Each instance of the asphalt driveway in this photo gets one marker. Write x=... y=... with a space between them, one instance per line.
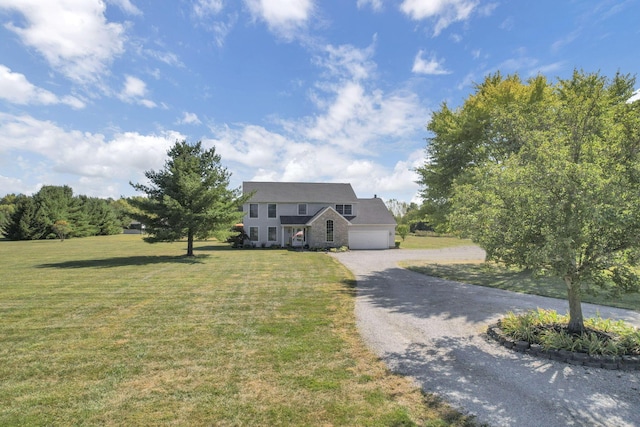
x=432 y=330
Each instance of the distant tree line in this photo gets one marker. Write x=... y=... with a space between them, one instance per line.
x=40 y=216
x=409 y=214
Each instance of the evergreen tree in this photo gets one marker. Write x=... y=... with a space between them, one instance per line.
x=188 y=198
x=53 y=203
x=80 y=218
x=20 y=224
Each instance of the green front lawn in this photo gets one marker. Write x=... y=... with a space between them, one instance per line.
x=114 y=331
x=413 y=241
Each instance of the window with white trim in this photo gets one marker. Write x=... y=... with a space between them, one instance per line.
x=253 y=210
x=253 y=234
x=273 y=234
x=272 y=210
x=329 y=230
x=302 y=209
x=344 y=209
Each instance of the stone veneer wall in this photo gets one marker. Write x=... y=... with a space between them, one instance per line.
x=318 y=231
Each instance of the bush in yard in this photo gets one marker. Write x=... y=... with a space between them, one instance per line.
x=550 y=330
x=402 y=231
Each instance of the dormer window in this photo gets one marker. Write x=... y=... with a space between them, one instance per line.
x=344 y=209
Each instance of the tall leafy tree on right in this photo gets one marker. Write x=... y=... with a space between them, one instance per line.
x=545 y=177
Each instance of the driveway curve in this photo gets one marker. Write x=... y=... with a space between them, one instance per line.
x=433 y=331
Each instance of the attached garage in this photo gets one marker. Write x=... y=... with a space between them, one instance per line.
x=368 y=239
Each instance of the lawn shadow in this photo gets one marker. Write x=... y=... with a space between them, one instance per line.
x=218 y=247
x=126 y=261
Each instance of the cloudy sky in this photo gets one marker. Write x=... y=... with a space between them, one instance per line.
x=93 y=93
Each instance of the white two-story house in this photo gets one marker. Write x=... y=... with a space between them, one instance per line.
x=315 y=215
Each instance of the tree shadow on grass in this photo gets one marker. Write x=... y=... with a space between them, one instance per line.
x=213 y=248
x=126 y=261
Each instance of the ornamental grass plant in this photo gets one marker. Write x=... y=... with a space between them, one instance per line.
x=549 y=329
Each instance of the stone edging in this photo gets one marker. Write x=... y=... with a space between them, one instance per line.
x=626 y=363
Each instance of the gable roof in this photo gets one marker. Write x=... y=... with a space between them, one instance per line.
x=373 y=211
x=321 y=213
x=299 y=192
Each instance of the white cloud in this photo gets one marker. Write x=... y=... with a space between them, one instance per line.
x=15 y=88
x=72 y=35
x=189 y=119
x=203 y=8
x=428 y=66
x=635 y=97
x=347 y=61
x=208 y=14
x=134 y=87
x=445 y=12
x=342 y=143
x=283 y=17
x=126 y=6
x=168 y=58
x=135 y=90
x=15 y=186
x=376 y=5
x=96 y=161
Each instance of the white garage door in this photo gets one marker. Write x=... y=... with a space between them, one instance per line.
x=368 y=239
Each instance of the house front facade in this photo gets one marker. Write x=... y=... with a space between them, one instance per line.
x=315 y=215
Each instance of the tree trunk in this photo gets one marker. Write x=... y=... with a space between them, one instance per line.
x=576 y=321
x=190 y=243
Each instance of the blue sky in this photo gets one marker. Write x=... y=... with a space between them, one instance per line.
x=93 y=93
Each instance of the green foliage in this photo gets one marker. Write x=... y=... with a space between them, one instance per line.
x=61 y=228
x=550 y=180
x=549 y=329
x=402 y=230
x=489 y=127
x=7 y=208
x=188 y=198
x=34 y=217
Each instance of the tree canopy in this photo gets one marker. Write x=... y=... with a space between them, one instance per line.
x=34 y=217
x=190 y=197
x=558 y=190
x=489 y=127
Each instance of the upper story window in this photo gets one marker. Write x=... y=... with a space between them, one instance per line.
x=253 y=210
x=272 y=210
x=302 y=209
x=344 y=209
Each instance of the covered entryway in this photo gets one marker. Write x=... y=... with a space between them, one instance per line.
x=368 y=239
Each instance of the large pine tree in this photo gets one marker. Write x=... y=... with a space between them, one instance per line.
x=189 y=197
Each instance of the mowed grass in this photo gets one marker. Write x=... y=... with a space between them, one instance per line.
x=517 y=280
x=113 y=331
x=413 y=241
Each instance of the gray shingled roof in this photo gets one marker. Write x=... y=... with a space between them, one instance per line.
x=373 y=211
x=299 y=192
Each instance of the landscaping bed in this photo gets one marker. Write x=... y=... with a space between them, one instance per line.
x=603 y=343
